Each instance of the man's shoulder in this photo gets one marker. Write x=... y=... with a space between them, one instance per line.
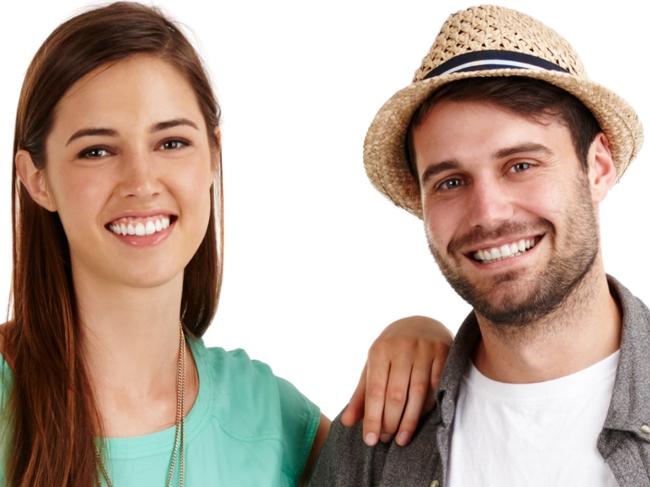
x=635 y=317
x=346 y=460
x=634 y=309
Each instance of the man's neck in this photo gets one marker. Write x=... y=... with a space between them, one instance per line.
x=585 y=329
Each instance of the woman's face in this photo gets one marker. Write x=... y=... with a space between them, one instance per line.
x=129 y=170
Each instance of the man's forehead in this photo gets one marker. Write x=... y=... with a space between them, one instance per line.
x=449 y=110
x=461 y=132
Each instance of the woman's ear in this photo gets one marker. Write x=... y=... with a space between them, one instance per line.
x=34 y=180
x=216 y=159
x=602 y=170
x=217 y=137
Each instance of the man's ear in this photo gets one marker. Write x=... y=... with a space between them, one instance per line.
x=602 y=171
x=34 y=180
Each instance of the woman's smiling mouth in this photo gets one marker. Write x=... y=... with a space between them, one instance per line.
x=142 y=231
x=140 y=226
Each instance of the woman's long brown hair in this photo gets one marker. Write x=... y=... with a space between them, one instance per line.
x=52 y=419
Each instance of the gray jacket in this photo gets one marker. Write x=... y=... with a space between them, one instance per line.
x=624 y=441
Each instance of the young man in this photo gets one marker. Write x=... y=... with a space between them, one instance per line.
x=505 y=150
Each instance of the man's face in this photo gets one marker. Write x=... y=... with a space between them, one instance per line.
x=508 y=210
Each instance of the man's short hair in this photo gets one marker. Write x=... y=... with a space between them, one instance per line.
x=528 y=97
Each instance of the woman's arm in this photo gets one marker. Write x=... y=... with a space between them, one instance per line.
x=319 y=440
x=397 y=384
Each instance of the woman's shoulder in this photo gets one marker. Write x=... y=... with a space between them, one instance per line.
x=6 y=367
x=5 y=328
x=233 y=367
x=248 y=399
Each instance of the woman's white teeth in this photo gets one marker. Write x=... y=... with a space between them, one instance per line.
x=513 y=249
x=140 y=227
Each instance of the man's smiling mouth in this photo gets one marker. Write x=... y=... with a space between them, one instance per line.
x=505 y=251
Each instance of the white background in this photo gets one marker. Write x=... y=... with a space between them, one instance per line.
x=317 y=261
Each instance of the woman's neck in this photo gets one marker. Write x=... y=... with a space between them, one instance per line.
x=130 y=340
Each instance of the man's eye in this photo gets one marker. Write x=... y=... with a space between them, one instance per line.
x=451 y=183
x=521 y=166
x=173 y=144
x=94 y=153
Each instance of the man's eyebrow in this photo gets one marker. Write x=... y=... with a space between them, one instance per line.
x=167 y=124
x=437 y=168
x=90 y=132
x=451 y=164
x=517 y=149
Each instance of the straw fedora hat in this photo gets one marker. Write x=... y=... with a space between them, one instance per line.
x=488 y=41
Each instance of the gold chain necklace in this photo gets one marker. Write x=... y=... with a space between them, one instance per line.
x=178 y=451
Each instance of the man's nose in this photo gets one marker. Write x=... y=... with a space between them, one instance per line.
x=490 y=204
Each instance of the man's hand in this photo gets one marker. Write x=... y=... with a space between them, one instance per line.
x=399 y=379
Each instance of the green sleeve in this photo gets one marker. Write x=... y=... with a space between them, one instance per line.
x=300 y=420
x=6 y=381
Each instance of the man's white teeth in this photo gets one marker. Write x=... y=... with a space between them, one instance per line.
x=513 y=249
x=140 y=227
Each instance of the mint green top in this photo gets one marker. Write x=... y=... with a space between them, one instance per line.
x=247 y=427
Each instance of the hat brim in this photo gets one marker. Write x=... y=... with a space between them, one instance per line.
x=384 y=150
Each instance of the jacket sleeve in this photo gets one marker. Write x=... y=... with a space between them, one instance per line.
x=346 y=460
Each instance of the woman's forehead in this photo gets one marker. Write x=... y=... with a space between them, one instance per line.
x=138 y=91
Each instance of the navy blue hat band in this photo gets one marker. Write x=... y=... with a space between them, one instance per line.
x=483 y=60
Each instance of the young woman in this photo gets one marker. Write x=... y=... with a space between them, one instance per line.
x=117 y=269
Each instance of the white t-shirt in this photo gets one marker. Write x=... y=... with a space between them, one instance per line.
x=527 y=435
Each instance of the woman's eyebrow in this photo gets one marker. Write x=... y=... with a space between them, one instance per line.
x=90 y=132
x=173 y=123
x=157 y=127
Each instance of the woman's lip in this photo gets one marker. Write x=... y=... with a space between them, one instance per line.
x=145 y=240
x=172 y=219
x=141 y=214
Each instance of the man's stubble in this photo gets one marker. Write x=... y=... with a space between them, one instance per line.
x=549 y=290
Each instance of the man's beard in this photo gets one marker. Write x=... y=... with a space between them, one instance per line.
x=555 y=283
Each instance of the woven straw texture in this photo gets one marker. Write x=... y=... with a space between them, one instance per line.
x=491 y=28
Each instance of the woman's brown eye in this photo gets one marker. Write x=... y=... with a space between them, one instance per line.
x=174 y=144
x=94 y=153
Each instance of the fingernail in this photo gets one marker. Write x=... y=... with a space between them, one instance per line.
x=371 y=439
x=403 y=438
x=385 y=438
